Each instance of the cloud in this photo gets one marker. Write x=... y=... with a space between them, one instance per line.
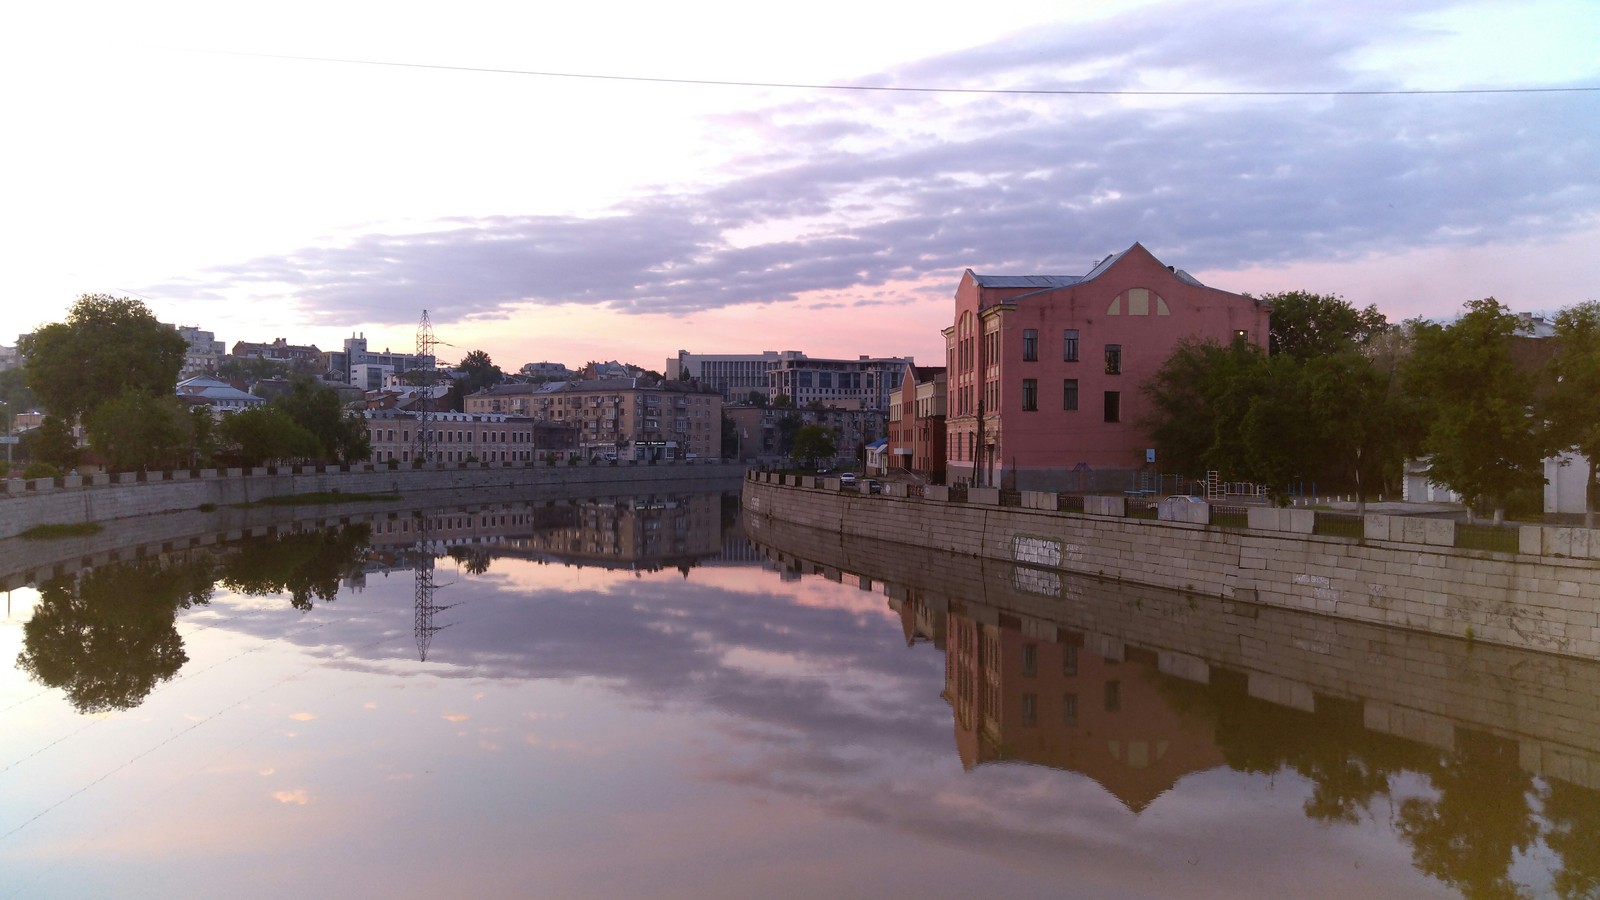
x=862 y=192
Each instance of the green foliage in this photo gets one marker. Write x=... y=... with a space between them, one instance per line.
x=813 y=443
x=730 y=438
x=40 y=470
x=14 y=395
x=1572 y=405
x=481 y=371
x=106 y=636
x=1306 y=325
x=202 y=435
x=1483 y=438
x=783 y=401
x=105 y=341
x=267 y=433
x=250 y=369
x=788 y=427
x=340 y=435
x=54 y=531
x=137 y=430
x=52 y=443
x=757 y=398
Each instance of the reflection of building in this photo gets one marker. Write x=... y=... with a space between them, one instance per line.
x=1047 y=699
x=635 y=532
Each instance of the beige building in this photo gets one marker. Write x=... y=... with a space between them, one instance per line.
x=460 y=437
x=618 y=418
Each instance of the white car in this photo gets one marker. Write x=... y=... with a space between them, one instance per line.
x=847 y=478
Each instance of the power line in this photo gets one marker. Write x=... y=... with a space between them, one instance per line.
x=865 y=88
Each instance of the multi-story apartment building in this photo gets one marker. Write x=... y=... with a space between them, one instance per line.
x=1044 y=371
x=733 y=375
x=341 y=364
x=204 y=352
x=864 y=382
x=760 y=431
x=9 y=358
x=280 y=350
x=917 y=423
x=618 y=418
x=459 y=437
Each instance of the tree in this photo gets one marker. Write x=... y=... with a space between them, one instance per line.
x=1572 y=405
x=305 y=565
x=136 y=430
x=757 y=398
x=731 y=445
x=266 y=433
x=481 y=372
x=203 y=435
x=53 y=443
x=1199 y=398
x=105 y=341
x=106 y=636
x=340 y=436
x=1306 y=325
x=813 y=443
x=1483 y=439
x=782 y=401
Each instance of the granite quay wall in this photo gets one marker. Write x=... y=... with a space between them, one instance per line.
x=102 y=498
x=1538 y=601
x=1409 y=684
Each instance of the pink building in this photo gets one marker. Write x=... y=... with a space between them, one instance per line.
x=1045 y=371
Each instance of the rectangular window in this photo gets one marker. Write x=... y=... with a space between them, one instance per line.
x=1069 y=709
x=1069 y=661
x=1030 y=394
x=1113 y=359
x=1069 y=345
x=1030 y=659
x=1030 y=344
x=1113 y=406
x=1030 y=709
x=1113 y=696
x=1069 y=393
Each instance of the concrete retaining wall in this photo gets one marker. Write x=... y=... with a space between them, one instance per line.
x=1538 y=602
x=105 y=498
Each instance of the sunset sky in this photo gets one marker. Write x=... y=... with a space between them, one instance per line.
x=307 y=170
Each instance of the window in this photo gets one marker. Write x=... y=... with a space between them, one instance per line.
x=1030 y=344
x=1069 y=345
x=1113 y=696
x=1241 y=336
x=1030 y=659
x=1030 y=709
x=1069 y=393
x=1113 y=406
x=1030 y=394
x=1069 y=709
x=1113 y=359
x=1069 y=662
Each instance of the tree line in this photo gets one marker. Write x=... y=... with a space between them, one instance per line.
x=111 y=368
x=1343 y=398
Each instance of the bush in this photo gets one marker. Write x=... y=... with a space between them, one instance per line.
x=40 y=470
x=392 y=463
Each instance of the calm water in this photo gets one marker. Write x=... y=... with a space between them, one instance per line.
x=626 y=696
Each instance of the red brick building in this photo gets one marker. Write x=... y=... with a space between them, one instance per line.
x=917 y=423
x=1045 y=371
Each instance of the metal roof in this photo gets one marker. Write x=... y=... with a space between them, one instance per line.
x=1025 y=281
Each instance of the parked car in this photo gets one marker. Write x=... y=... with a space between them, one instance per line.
x=847 y=478
x=873 y=486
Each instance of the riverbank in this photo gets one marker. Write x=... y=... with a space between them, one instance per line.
x=1399 y=571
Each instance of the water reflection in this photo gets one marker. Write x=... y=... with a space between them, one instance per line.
x=107 y=637
x=700 y=717
x=1115 y=683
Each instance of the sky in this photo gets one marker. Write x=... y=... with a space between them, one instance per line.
x=314 y=170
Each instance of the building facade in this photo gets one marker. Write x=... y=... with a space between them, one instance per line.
x=280 y=350
x=1045 y=371
x=733 y=375
x=341 y=364
x=917 y=423
x=204 y=353
x=463 y=437
x=618 y=418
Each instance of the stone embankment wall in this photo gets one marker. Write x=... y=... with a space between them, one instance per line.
x=101 y=498
x=1538 y=599
x=1417 y=686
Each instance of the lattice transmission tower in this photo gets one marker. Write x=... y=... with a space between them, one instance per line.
x=426 y=607
x=422 y=445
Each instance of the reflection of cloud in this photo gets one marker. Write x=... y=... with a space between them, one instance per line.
x=369 y=705
x=456 y=717
x=267 y=771
x=297 y=797
x=303 y=716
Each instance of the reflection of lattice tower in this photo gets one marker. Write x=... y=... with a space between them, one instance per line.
x=422 y=563
x=422 y=446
